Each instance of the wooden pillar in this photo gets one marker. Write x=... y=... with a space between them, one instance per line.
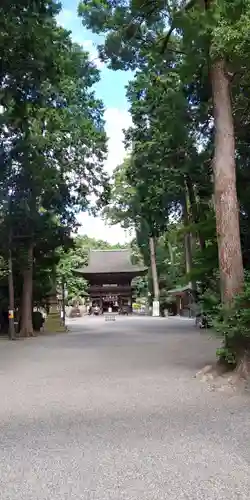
x=130 y=301
x=177 y=301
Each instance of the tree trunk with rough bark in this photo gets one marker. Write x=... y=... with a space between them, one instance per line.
x=27 y=296
x=195 y=210
x=12 y=333
x=188 y=243
x=171 y=253
x=154 y=268
x=226 y=202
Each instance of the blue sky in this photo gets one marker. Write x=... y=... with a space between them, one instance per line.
x=111 y=89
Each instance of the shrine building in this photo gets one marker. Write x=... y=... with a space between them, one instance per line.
x=110 y=274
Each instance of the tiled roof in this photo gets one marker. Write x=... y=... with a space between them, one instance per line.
x=110 y=261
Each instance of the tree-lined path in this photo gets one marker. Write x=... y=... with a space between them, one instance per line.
x=112 y=411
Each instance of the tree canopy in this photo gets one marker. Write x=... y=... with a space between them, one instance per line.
x=53 y=142
x=183 y=187
x=188 y=150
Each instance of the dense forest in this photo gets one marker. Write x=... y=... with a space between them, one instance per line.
x=184 y=185
x=53 y=145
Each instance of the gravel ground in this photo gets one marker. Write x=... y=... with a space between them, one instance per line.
x=112 y=411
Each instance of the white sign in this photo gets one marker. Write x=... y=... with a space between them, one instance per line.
x=156 y=308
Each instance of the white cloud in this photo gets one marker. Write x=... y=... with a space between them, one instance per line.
x=116 y=121
x=68 y=19
x=96 y=228
x=65 y=17
x=90 y=47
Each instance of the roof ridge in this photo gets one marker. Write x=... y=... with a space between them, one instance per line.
x=117 y=260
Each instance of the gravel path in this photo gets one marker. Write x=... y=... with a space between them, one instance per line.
x=112 y=411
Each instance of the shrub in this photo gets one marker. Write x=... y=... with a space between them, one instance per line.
x=232 y=324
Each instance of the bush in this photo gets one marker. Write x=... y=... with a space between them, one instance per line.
x=232 y=324
x=136 y=306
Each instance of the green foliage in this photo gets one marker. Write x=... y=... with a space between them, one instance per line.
x=140 y=287
x=53 y=142
x=4 y=270
x=233 y=324
x=131 y=28
x=205 y=259
x=73 y=258
x=169 y=175
x=125 y=209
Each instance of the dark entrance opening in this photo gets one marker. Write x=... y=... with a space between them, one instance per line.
x=110 y=304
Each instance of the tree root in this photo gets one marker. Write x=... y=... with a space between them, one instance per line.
x=225 y=377
x=213 y=371
x=243 y=366
x=26 y=333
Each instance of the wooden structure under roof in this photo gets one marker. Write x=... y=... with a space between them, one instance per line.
x=110 y=274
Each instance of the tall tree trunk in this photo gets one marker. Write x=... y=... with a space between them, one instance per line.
x=12 y=333
x=188 y=253
x=195 y=210
x=188 y=243
x=154 y=268
x=27 y=295
x=226 y=202
x=171 y=253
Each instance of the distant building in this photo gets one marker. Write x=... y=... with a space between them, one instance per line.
x=109 y=274
x=184 y=300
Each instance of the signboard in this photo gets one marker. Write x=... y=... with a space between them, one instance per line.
x=110 y=298
x=11 y=314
